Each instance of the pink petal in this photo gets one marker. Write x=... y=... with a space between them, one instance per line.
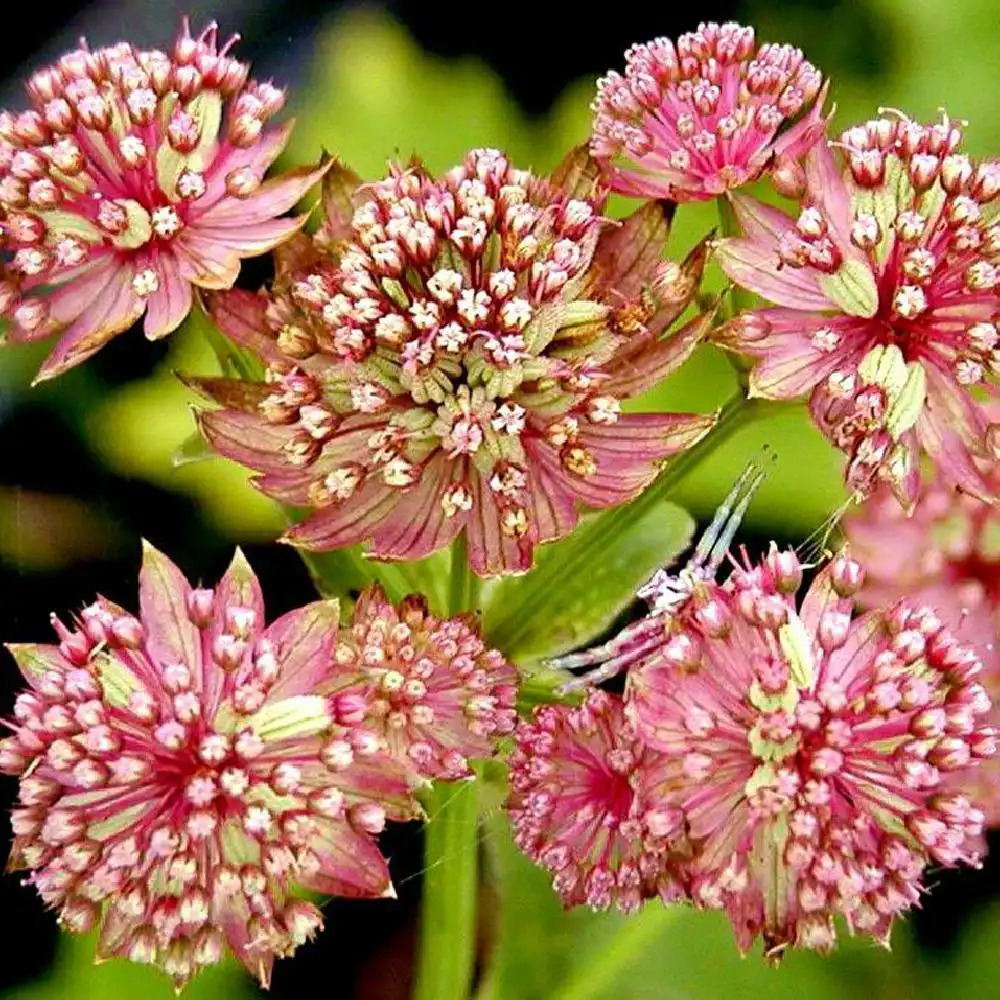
x=791 y=364
x=825 y=184
x=552 y=507
x=167 y=307
x=341 y=196
x=112 y=309
x=352 y=866
x=246 y=438
x=304 y=639
x=258 y=157
x=491 y=552
x=242 y=317
x=67 y=301
x=755 y=265
x=635 y=372
x=273 y=198
x=418 y=525
x=171 y=636
x=627 y=255
x=348 y=523
x=34 y=660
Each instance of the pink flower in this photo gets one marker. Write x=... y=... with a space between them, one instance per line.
x=431 y=689
x=135 y=176
x=695 y=121
x=885 y=292
x=180 y=775
x=458 y=363
x=576 y=775
x=808 y=751
x=944 y=555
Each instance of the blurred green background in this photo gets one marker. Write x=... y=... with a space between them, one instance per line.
x=86 y=467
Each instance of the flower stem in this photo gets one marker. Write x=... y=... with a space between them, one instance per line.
x=447 y=948
x=463 y=586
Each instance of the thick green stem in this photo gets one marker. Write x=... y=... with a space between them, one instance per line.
x=447 y=948
x=463 y=584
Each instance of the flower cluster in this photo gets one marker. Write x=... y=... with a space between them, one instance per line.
x=885 y=293
x=468 y=350
x=702 y=117
x=944 y=555
x=135 y=175
x=181 y=772
x=788 y=761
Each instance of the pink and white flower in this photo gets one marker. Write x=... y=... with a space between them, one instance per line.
x=459 y=349
x=431 y=689
x=885 y=302
x=180 y=775
x=945 y=555
x=695 y=120
x=808 y=751
x=577 y=778
x=134 y=177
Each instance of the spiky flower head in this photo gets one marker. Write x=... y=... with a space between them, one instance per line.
x=885 y=292
x=809 y=751
x=180 y=775
x=135 y=176
x=693 y=120
x=577 y=778
x=430 y=688
x=946 y=555
x=459 y=365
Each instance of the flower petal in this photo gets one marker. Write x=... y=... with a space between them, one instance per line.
x=111 y=311
x=171 y=635
x=304 y=640
x=242 y=317
x=491 y=551
x=755 y=265
x=347 y=523
x=246 y=438
x=273 y=198
x=170 y=303
x=627 y=255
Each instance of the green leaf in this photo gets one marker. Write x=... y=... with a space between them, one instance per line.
x=192 y=449
x=582 y=583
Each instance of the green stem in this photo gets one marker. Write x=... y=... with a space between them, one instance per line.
x=447 y=948
x=596 y=976
x=737 y=298
x=463 y=585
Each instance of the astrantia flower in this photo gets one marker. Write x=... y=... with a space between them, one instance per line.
x=179 y=775
x=809 y=751
x=431 y=688
x=693 y=121
x=576 y=778
x=135 y=176
x=945 y=555
x=886 y=294
x=474 y=337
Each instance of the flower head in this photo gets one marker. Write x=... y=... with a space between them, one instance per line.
x=695 y=120
x=180 y=774
x=134 y=176
x=577 y=777
x=885 y=292
x=945 y=555
x=458 y=363
x=808 y=751
x=430 y=688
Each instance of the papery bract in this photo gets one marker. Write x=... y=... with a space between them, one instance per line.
x=885 y=292
x=577 y=776
x=135 y=177
x=695 y=120
x=809 y=751
x=457 y=363
x=180 y=774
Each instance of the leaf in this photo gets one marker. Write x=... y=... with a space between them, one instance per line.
x=192 y=449
x=582 y=583
x=234 y=361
